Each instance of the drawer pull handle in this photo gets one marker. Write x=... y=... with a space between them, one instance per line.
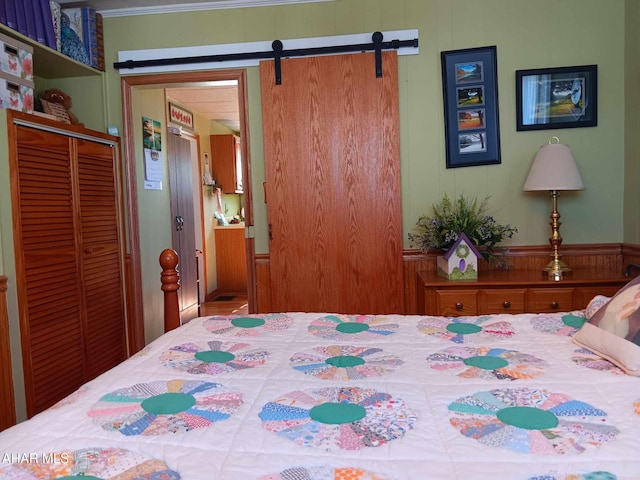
x=554 y=305
x=459 y=306
x=507 y=304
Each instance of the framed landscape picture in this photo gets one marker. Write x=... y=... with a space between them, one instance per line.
x=563 y=97
x=470 y=88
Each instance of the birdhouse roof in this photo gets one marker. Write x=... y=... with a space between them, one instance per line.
x=462 y=238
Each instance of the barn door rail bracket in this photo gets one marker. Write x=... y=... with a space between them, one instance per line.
x=278 y=52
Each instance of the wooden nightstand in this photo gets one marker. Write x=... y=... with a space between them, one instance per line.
x=513 y=291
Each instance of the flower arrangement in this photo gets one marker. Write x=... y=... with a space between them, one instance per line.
x=449 y=218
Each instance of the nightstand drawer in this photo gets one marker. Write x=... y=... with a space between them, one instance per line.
x=582 y=296
x=502 y=300
x=549 y=300
x=454 y=303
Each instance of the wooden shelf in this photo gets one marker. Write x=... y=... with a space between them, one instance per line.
x=49 y=63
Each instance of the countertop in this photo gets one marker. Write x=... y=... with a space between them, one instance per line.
x=231 y=225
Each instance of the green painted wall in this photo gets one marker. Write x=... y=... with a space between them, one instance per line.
x=8 y=268
x=528 y=34
x=153 y=208
x=632 y=123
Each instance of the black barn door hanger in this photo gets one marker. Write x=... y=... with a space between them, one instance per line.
x=377 y=45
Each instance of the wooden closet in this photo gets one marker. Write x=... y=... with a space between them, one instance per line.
x=68 y=255
x=227 y=162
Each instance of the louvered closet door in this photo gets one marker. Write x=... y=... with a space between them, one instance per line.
x=68 y=262
x=48 y=274
x=100 y=253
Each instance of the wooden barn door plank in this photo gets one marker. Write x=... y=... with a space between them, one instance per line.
x=332 y=168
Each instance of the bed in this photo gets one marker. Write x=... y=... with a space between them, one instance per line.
x=319 y=396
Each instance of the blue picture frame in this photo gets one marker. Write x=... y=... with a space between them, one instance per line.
x=470 y=90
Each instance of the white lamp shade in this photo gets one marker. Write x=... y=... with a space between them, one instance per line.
x=554 y=169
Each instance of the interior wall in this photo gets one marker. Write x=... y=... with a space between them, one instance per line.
x=632 y=124
x=153 y=209
x=544 y=33
x=210 y=207
x=8 y=268
x=527 y=34
x=88 y=100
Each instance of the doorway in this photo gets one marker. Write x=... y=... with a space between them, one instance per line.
x=130 y=85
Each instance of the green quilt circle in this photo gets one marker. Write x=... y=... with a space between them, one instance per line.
x=337 y=413
x=345 y=361
x=168 y=403
x=529 y=418
x=463 y=328
x=214 y=356
x=247 y=322
x=352 y=327
x=573 y=321
x=486 y=363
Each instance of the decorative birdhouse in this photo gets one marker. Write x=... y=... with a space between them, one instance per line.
x=461 y=261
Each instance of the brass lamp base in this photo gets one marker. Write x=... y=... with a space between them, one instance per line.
x=556 y=265
x=555 y=269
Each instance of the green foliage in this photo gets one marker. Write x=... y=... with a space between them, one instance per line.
x=448 y=219
x=456 y=274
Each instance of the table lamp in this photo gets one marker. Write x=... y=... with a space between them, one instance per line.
x=554 y=170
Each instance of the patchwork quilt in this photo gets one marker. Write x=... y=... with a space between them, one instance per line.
x=318 y=396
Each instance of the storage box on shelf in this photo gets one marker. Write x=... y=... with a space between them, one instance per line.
x=26 y=60
x=16 y=75
x=16 y=93
x=513 y=291
x=16 y=58
x=49 y=63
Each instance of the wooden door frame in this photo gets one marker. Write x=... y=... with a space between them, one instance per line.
x=135 y=325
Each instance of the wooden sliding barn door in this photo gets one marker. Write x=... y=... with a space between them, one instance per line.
x=332 y=161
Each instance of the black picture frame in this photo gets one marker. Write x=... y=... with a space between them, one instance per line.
x=470 y=88
x=561 y=97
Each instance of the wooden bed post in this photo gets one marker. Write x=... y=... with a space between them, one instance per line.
x=170 y=285
x=7 y=402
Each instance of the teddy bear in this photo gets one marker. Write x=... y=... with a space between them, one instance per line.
x=56 y=102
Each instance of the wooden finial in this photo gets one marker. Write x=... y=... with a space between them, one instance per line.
x=170 y=280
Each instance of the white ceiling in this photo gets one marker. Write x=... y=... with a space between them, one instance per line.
x=219 y=102
x=113 y=4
